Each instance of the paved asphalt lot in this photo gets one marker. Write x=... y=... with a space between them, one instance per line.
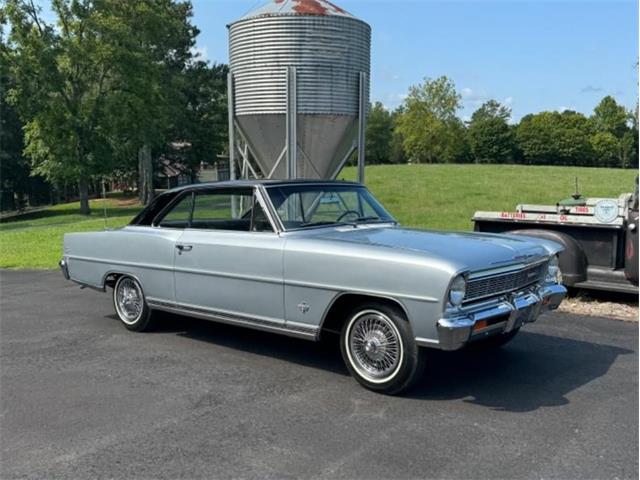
x=81 y=397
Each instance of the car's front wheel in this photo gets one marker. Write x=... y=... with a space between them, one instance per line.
x=379 y=349
x=130 y=304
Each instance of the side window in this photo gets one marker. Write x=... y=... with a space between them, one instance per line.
x=259 y=220
x=229 y=210
x=179 y=215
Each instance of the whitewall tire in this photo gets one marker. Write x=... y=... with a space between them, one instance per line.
x=379 y=349
x=130 y=304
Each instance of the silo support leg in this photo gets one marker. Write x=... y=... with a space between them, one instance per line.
x=291 y=127
x=275 y=165
x=362 y=125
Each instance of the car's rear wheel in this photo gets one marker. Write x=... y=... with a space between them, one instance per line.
x=130 y=304
x=379 y=349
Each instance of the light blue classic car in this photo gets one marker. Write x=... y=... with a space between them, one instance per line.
x=308 y=258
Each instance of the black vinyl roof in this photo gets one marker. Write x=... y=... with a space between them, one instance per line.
x=253 y=183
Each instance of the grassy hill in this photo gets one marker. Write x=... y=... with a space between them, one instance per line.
x=446 y=196
x=425 y=196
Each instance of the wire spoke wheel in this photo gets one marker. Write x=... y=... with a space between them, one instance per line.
x=374 y=346
x=129 y=300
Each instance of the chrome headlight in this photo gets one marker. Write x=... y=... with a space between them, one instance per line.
x=457 y=290
x=554 y=275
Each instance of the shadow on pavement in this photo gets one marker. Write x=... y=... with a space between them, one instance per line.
x=533 y=371
x=322 y=355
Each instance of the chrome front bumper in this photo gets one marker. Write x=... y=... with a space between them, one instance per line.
x=497 y=316
x=64 y=268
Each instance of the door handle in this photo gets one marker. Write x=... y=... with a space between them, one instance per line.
x=184 y=248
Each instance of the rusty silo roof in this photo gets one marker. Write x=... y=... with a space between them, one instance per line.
x=297 y=7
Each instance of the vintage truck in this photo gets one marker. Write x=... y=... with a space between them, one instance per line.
x=600 y=236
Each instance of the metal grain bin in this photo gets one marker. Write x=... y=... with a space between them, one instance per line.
x=298 y=87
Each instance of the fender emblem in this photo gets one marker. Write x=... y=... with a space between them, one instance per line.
x=303 y=307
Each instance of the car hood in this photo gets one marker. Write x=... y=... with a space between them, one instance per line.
x=477 y=251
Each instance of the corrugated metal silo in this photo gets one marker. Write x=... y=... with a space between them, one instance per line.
x=299 y=76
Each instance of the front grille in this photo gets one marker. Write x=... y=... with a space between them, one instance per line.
x=507 y=282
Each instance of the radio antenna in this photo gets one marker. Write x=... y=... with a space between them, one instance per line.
x=576 y=195
x=104 y=203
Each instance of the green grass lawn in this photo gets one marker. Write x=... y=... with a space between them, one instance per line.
x=34 y=240
x=426 y=196
x=446 y=196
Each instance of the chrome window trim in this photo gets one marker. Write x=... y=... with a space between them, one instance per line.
x=392 y=220
x=256 y=192
x=265 y=202
x=167 y=208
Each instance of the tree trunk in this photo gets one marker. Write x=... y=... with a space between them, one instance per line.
x=83 y=190
x=146 y=192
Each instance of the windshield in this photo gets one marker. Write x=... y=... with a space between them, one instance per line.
x=306 y=206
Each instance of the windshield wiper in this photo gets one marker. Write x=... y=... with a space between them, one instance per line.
x=354 y=223
x=325 y=222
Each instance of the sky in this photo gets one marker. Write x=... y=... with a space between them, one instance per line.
x=529 y=55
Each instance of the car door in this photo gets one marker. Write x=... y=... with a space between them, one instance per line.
x=229 y=259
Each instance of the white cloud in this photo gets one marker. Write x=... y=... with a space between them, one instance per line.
x=471 y=98
x=466 y=92
x=563 y=108
x=508 y=101
x=397 y=97
x=393 y=100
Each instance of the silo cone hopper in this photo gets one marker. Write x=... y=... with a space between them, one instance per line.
x=298 y=90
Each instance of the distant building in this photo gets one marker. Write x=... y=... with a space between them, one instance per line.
x=171 y=174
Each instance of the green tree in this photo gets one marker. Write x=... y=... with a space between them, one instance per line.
x=458 y=149
x=14 y=170
x=154 y=40
x=397 y=153
x=60 y=83
x=202 y=120
x=610 y=117
x=95 y=84
x=490 y=137
x=554 y=138
x=611 y=122
x=428 y=124
x=379 y=134
x=605 y=148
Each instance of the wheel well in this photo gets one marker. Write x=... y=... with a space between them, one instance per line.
x=341 y=306
x=111 y=278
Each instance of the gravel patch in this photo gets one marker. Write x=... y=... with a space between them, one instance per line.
x=584 y=304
